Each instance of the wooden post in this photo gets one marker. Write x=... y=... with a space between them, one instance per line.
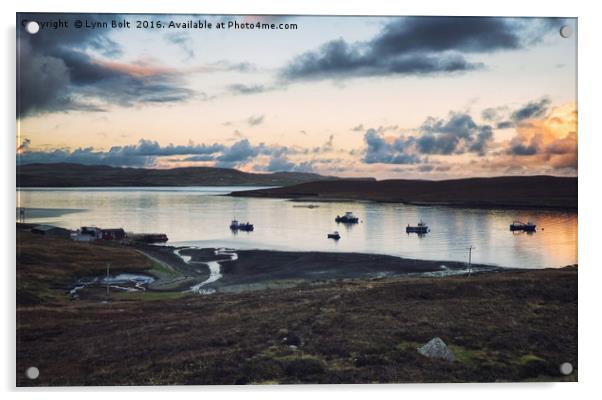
x=469 y=260
x=108 y=271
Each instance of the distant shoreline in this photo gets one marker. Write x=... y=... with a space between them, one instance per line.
x=508 y=192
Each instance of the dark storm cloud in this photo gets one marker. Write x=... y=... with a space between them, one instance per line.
x=415 y=46
x=56 y=73
x=458 y=134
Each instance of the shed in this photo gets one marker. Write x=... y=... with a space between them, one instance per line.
x=113 y=234
x=50 y=230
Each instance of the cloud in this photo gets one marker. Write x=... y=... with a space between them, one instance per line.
x=530 y=110
x=550 y=141
x=239 y=88
x=24 y=146
x=63 y=72
x=396 y=151
x=415 y=46
x=204 y=157
x=182 y=40
x=281 y=163
x=243 y=89
x=86 y=156
x=144 y=153
x=458 y=134
x=239 y=152
x=255 y=120
x=504 y=118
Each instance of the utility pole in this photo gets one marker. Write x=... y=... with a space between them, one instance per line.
x=469 y=260
x=108 y=269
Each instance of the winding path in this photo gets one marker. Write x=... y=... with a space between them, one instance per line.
x=214 y=267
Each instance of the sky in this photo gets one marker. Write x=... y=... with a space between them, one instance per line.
x=385 y=97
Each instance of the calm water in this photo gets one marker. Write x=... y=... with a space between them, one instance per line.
x=197 y=216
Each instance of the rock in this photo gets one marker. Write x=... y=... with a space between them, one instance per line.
x=436 y=348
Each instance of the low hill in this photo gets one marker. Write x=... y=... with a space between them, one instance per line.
x=78 y=175
x=506 y=191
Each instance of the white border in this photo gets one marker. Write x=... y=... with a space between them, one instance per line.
x=590 y=356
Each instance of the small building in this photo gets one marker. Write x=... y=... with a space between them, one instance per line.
x=113 y=234
x=50 y=230
x=91 y=231
x=87 y=234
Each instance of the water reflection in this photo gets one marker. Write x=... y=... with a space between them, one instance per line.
x=201 y=216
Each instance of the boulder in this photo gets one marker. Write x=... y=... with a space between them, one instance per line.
x=436 y=348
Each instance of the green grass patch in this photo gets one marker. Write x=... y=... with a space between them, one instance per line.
x=529 y=358
x=162 y=271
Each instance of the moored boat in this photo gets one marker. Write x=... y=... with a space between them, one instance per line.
x=421 y=228
x=521 y=226
x=334 y=235
x=348 y=218
x=237 y=226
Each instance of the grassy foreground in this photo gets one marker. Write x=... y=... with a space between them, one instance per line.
x=509 y=326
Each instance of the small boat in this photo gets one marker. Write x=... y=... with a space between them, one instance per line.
x=521 y=226
x=334 y=235
x=421 y=228
x=236 y=226
x=348 y=218
x=246 y=227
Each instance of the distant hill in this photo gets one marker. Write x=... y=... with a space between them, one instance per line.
x=74 y=175
x=507 y=191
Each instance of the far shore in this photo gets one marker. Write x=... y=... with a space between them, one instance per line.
x=514 y=192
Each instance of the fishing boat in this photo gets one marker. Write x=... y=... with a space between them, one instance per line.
x=237 y=226
x=334 y=235
x=521 y=226
x=248 y=227
x=421 y=228
x=348 y=218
